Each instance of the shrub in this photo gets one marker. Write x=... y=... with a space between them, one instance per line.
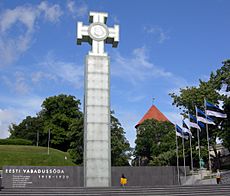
x=15 y=142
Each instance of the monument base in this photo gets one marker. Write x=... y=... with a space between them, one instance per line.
x=22 y=177
x=97 y=150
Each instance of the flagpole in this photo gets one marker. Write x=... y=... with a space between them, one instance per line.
x=198 y=138
x=209 y=159
x=184 y=157
x=190 y=142
x=48 y=142
x=191 y=148
x=177 y=159
x=37 y=137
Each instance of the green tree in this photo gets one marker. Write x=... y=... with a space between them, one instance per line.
x=120 y=147
x=119 y=144
x=221 y=82
x=28 y=129
x=62 y=116
x=76 y=147
x=58 y=113
x=154 y=138
x=189 y=97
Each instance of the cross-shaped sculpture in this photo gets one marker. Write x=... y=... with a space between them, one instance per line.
x=97 y=133
x=97 y=33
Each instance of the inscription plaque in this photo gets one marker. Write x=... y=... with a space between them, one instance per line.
x=42 y=176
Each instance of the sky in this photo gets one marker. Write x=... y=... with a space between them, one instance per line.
x=164 y=45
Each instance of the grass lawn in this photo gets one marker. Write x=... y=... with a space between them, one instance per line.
x=32 y=156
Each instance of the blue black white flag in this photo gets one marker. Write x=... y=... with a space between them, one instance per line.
x=186 y=128
x=181 y=133
x=193 y=122
x=213 y=110
x=201 y=125
x=201 y=116
x=228 y=88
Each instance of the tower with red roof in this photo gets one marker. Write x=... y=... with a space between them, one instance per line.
x=153 y=113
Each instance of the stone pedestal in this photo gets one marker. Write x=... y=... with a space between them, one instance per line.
x=97 y=150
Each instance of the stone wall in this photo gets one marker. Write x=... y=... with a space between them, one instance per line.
x=145 y=176
x=225 y=177
x=72 y=176
x=42 y=176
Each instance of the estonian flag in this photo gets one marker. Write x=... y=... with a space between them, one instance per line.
x=212 y=110
x=201 y=125
x=186 y=128
x=181 y=133
x=193 y=122
x=201 y=116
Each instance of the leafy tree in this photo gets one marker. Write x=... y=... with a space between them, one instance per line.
x=165 y=158
x=190 y=97
x=58 y=113
x=28 y=129
x=221 y=82
x=62 y=116
x=153 y=139
x=119 y=144
x=76 y=147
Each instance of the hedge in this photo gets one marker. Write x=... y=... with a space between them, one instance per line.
x=15 y=142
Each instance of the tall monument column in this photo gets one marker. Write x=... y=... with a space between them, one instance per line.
x=97 y=147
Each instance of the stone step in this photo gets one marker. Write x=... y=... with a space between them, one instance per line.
x=121 y=194
x=186 y=187
x=167 y=190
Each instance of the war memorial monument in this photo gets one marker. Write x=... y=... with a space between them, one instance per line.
x=97 y=150
x=97 y=171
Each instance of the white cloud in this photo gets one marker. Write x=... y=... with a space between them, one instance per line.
x=13 y=45
x=12 y=48
x=179 y=83
x=128 y=120
x=71 y=73
x=38 y=76
x=24 y=15
x=136 y=98
x=71 y=6
x=7 y=116
x=32 y=105
x=52 y=13
x=18 y=110
x=17 y=83
x=23 y=82
x=138 y=68
x=65 y=71
x=174 y=117
x=77 y=10
x=160 y=34
x=20 y=84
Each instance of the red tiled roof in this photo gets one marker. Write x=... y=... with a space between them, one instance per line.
x=153 y=113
